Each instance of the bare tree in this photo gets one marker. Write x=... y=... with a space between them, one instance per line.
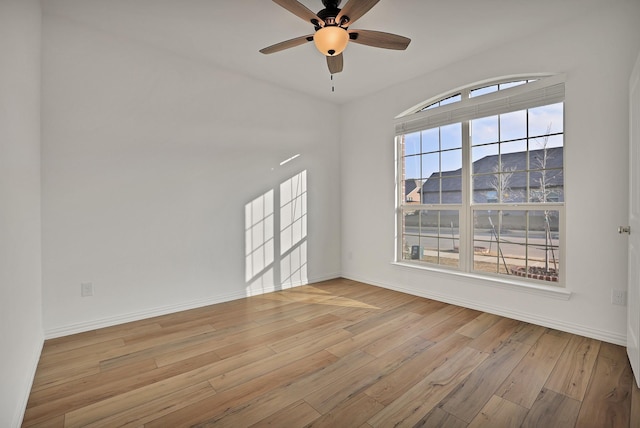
x=501 y=182
x=544 y=191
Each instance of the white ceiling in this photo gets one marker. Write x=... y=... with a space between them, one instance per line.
x=229 y=33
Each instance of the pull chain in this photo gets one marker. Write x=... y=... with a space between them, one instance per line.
x=333 y=89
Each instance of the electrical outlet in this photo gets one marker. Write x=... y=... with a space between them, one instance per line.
x=86 y=289
x=619 y=297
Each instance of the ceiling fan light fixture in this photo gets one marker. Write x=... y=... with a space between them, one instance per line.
x=331 y=40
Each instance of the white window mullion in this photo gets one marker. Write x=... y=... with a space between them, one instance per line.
x=466 y=217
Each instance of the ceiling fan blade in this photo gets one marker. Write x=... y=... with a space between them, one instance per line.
x=379 y=39
x=335 y=63
x=299 y=10
x=287 y=44
x=354 y=9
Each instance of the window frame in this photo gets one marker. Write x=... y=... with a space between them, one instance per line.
x=538 y=91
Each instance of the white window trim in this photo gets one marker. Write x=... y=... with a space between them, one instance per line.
x=547 y=90
x=534 y=94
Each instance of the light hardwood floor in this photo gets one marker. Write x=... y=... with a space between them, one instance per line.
x=336 y=354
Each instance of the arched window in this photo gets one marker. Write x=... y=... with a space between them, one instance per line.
x=489 y=164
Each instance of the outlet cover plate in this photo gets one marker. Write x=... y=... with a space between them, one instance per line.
x=86 y=289
x=619 y=297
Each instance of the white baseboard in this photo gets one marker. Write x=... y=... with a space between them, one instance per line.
x=587 y=331
x=170 y=309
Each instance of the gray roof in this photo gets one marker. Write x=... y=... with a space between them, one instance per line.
x=484 y=171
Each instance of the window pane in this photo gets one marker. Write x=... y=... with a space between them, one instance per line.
x=430 y=164
x=514 y=187
x=511 y=84
x=549 y=142
x=452 y=190
x=412 y=191
x=451 y=99
x=546 y=186
x=483 y=189
x=430 y=140
x=482 y=91
x=429 y=223
x=513 y=125
x=431 y=191
x=546 y=120
x=452 y=160
x=412 y=167
x=412 y=144
x=410 y=232
x=484 y=130
x=519 y=146
x=448 y=253
x=439 y=238
x=485 y=158
x=451 y=136
x=546 y=158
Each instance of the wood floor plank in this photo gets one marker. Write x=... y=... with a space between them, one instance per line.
x=444 y=329
x=79 y=355
x=440 y=419
x=552 y=410
x=528 y=333
x=276 y=335
x=235 y=402
x=357 y=381
x=416 y=402
x=572 y=373
x=144 y=410
x=389 y=388
x=527 y=379
x=253 y=411
x=499 y=412
x=337 y=353
x=470 y=397
x=351 y=413
x=143 y=349
x=331 y=331
x=68 y=385
x=104 y=388
x=495 y=335
x=63 y=376
x=607 y=402
x=378 y=318
x=478 y=325
x=299 y=414
x=289 y=392
x=373 y=333
x=410 y=330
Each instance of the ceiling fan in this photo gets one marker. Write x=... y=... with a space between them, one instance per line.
x=332 y=31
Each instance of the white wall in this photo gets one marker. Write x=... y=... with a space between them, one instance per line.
x=149 y=159
x=20 y=272
x=596 y=52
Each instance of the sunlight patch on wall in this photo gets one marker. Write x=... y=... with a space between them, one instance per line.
x=275 y=261
x=293 y=211
x=259 y=241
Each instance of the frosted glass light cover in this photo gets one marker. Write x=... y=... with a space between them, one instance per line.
x=331 y=40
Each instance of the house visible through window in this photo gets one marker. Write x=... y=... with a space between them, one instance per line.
x=481 y=174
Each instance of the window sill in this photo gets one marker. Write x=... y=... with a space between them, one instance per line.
x=510 y=284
